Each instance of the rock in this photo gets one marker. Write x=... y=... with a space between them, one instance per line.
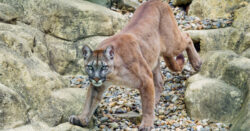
x=12 y=105
x=57 y=110
x=242 y=120
x=241 y=18
x=199 y=128
x=246 y=43
x=130 y=5
x=106 y=3
x=22 y=74
x=67 y=127
x=217 y=39
x=41 y=88
x=237 y=73
x=212 y=99
x=24 y=40
x=132 y=116
x=216 y=60
x=72 y=20
x=62 y=55
x=174 y=99
x=213 y=9
x=181 y=2
x=230 y=70
x=104 y=119
x=8 y=13
x=39 y=126
x=114 y=125
x=246 y=53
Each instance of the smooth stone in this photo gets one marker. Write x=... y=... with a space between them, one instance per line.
x=104 y=119
x=114 y=125
x=174 y=99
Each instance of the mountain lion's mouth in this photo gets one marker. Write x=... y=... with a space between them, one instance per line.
x=97 y=84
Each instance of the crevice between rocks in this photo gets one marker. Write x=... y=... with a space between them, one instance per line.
x=197 y=46
x=12 y=21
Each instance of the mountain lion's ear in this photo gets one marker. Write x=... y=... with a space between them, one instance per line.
x=86 y=51
x=109 y=52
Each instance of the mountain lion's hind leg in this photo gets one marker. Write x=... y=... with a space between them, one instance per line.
x=193 y=56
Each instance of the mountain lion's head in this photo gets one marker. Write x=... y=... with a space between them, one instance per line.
x=98 y=64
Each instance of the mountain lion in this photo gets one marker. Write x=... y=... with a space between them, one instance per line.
x=131 y=58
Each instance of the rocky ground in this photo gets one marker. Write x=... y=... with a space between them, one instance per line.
x=121 y=108
x=184 y=21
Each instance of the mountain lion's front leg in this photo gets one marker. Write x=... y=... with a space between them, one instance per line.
x=147 y=93
x=94 y=96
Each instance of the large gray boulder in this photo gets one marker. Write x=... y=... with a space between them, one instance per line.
x=31 y=82
x=69 y=20
x=214 y=62
x=237 y=73
x=216 y=39
x=246 y=53
x=62 y=56
x=241 y=22
x=214 y=9
x=242 y=121
x=61 y=105
x=8 y=13
x=12 y=105
x=24 y=40
x=220 y=92
x=241 y=19
x=40 y=126
x=43 y=90
x=212 y=99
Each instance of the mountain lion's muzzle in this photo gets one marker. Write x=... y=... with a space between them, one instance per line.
x=97 y=82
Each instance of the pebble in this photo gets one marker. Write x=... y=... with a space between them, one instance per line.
x=114 y=125
x=104 y=119
x=174 y=99
x=200 y=128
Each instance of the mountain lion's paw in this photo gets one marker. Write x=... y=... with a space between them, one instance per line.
x=76 y=121
x=144 y=128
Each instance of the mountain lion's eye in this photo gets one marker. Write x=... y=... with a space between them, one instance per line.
x=89 y=67
x=104 y=67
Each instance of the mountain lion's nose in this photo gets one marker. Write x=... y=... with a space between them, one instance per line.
x=96 y=79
